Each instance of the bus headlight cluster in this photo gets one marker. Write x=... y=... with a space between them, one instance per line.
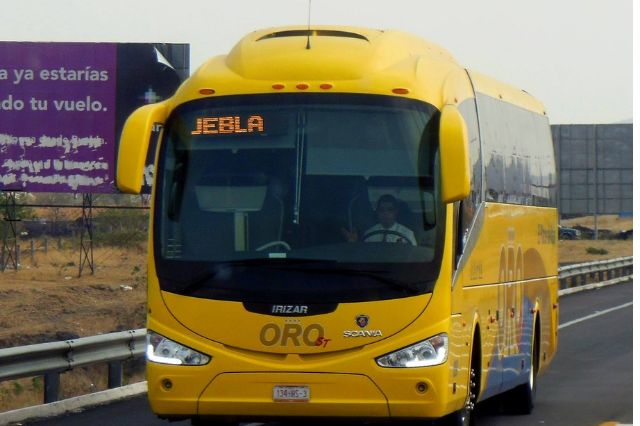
x=166 y=351
x=432 y=351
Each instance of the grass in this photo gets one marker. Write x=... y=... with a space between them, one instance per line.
x=596 y=250
x=579 y=251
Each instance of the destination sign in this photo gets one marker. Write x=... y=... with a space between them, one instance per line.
x=228 y=125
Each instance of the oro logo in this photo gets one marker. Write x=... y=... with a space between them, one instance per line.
x=293 y=333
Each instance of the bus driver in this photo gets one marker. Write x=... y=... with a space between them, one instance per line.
x=387 y=229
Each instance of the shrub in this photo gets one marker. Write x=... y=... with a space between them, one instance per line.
x=121 y=227
x=595 y=250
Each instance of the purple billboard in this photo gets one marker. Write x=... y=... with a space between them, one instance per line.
x=62 y=106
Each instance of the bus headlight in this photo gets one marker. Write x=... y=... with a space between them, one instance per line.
x=432 y=351
x=166 y=351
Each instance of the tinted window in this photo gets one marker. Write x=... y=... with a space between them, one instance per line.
x=518 y=157
x=276 y=187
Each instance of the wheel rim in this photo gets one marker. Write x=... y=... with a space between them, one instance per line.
x=470 y=402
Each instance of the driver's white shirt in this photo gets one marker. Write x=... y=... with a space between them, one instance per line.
x=390 y=238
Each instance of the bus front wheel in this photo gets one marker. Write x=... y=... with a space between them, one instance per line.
x=465 y=416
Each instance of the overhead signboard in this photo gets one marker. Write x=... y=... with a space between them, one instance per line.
x=63 y=105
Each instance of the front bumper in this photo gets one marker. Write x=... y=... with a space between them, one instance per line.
x=392 y=393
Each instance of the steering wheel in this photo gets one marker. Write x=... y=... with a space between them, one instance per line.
x=274 y=244
x=386 y=232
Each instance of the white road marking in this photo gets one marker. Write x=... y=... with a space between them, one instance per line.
x=594 y=315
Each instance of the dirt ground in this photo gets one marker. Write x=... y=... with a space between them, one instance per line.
x=47 y=300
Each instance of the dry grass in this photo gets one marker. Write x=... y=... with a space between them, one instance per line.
x=576 y=251
x=613 y=223
x=46 y=297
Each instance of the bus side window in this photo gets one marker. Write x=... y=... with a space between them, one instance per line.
x=469 y=206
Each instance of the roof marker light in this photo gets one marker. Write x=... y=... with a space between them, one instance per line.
x=400 y=91
x=277 y=86
x=326 y=86
x=302 y=86
x=207 y=91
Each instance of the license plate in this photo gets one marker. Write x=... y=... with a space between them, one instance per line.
x=291 y=393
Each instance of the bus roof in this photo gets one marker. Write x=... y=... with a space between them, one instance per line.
x=342 y=59
x=338 y=53
x=339 y=59
x=496 y=89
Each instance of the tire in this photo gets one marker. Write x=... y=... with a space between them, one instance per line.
x=466 y=415
x=567 y=236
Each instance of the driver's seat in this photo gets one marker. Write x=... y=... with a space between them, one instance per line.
x=266 y=225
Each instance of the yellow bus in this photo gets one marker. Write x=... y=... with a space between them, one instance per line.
x=346 y=224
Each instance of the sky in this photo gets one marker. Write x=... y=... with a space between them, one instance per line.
x=574 y=55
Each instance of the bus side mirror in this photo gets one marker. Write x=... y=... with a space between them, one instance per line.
x=134 y=144
x=454 y=156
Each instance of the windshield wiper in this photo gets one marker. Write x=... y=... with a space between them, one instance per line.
x=311 y=266
x=190 y=284
x=277 y=261
x=414 y=287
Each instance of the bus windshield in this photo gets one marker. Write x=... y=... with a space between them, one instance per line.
x=299 y=198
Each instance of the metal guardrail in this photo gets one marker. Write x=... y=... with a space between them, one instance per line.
x=594 y=272
x=52 y=359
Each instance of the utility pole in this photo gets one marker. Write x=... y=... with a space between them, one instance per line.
x=595 y=181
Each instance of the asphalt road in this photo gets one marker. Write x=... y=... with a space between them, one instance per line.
x=589 y=383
